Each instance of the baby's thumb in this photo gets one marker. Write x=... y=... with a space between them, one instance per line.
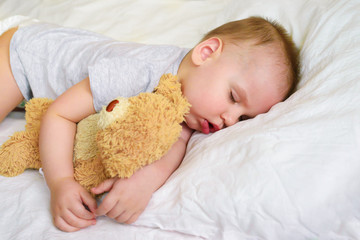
x=105 y=186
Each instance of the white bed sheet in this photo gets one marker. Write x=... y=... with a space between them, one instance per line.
x=292 y=173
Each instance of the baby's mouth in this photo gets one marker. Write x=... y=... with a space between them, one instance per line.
x=208 y=127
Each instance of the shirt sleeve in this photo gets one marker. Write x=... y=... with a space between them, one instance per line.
x=125 y=77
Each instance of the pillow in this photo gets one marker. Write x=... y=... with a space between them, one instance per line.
x=291 y=173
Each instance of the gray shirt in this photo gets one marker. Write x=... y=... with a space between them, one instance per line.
x=47 y=59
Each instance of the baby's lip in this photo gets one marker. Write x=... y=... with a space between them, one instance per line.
x=208 y=127
x=205 y=128
x=213 y=127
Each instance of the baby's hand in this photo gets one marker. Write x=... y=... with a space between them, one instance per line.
x=127 y=198
x=68 y=201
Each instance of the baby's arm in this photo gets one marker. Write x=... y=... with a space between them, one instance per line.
x=128 y=198
x=56 y=151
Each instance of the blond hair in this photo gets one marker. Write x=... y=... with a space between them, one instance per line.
x=263 y=31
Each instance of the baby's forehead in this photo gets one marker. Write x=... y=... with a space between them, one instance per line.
x=262 y=53
x=273 y=60
x=265 y=58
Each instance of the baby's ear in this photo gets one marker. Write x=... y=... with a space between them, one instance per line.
x=206 y=49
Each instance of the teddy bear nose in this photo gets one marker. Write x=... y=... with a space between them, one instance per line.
x=111 y=105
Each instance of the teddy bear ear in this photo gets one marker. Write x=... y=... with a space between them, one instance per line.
x=170 y=87
x=167 y=85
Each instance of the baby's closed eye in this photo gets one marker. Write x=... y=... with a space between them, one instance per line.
x=244 y=117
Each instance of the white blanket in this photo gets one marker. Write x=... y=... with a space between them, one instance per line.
x=292 y=173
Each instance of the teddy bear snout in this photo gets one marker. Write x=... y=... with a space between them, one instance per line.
x=111 y=105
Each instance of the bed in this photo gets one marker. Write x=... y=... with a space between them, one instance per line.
x=292 y=173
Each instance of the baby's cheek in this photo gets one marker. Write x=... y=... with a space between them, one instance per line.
x=190 y=122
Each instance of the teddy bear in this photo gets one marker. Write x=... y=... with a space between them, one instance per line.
x=123 y=137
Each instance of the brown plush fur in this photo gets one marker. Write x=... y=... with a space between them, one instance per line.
x=138 y=131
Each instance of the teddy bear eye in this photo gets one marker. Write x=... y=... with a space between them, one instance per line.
x=111 y=105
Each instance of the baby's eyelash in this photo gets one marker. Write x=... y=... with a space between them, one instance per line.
x=244 y=117
x=232 y=97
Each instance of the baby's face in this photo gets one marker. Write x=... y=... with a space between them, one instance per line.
x=233 y=87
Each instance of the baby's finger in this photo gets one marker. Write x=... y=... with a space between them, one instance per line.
x=80 y=211
x=117 y=211
x=105 y=186
x=61 y=224
x=107 y=205
x=133 y=218
x=123 y=217
x=77 y=222
x=89 y=201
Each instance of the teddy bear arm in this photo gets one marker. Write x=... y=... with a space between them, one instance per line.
x=34 y=110
x=89 y=172
x=20 y=152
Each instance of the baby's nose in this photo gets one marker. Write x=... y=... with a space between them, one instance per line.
x=230 y=119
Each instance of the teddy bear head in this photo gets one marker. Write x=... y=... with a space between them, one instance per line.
x=139 y=130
